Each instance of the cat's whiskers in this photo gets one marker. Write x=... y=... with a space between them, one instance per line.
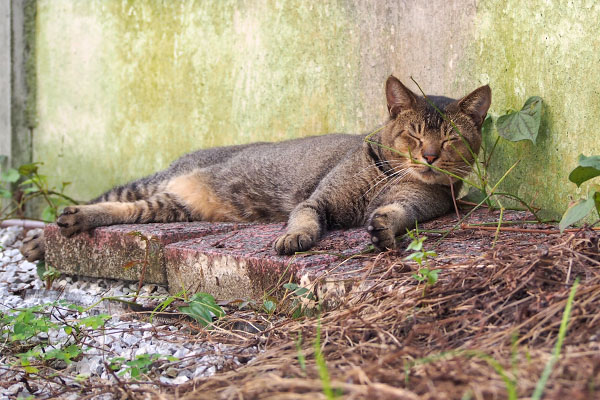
x=395 y=171
x=374 y=165
x=386 y=176
x=391 y=179
x=398 y=178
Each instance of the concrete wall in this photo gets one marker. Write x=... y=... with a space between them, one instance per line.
x=124 y=87
x=5 y=78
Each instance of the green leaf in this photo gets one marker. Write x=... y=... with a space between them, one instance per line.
x=94 y=321
x=418 y=257
x=487 y=126
x=7 y=194
x=269 y=306
x=475 y=195
x=31 y=370
x=49 y=214
x=28 y=169
x=298 y=290
x=202 y=307
x=579 y=211
x=589 y=167
x=523 y=124
x=10 y=175
x=416 y=244
x=41 y=269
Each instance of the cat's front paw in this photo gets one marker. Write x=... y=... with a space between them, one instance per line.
x=34 y=246
x=382 y=234
x=73 y=220
x=292 y=242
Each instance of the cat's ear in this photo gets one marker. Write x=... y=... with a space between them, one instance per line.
x=477 y=103
x=398 y=96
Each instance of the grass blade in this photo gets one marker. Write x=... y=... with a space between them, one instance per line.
x=562 y=333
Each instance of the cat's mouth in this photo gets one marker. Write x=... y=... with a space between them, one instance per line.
x=426 y=170
x=429 y=175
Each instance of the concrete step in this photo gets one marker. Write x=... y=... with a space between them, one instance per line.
x=108 y=252
x=243 y=265
x=230 y=261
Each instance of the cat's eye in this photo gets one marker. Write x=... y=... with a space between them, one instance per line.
x=414 y=137
x=449 y=141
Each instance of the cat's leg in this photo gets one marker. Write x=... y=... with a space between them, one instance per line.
x=136 y=190
x=303 y=230
x=161 y=207
x=400 y=208
x=188 y=197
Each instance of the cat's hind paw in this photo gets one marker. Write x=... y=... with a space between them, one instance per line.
x=293 y=242
x=34 y=246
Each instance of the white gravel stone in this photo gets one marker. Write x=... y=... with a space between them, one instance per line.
x=121 y=335
x=180 y=379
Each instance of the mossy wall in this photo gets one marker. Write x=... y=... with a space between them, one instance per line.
x=549 y=49
x=124 y=87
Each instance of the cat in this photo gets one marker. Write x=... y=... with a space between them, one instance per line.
x=384 y=181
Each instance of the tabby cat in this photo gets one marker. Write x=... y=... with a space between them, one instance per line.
x=315 y=183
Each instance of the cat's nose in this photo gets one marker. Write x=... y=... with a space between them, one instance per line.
x=430 y=157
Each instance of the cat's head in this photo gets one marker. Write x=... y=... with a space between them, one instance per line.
x=420 y=136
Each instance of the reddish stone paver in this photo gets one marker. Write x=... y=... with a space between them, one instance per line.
x=103 y=252
x=237 y=261
x=243 y=265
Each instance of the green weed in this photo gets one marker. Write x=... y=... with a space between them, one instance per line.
x=139 y=366
x=24 y=184
x=47 y=273
x=421 y=257
x=203 y=308
x=562 y=333
x=588 y=168
x=329 y=392
x=303 y=301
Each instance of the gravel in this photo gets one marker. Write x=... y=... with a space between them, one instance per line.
x=123 y=335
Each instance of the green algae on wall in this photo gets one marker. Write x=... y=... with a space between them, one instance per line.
x=125 y=87
x=549 y=49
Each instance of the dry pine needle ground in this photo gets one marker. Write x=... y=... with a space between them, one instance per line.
x=493 y=317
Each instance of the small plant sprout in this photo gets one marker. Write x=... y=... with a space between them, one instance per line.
x=47 y=273
x=138 y=366
x=421 y=257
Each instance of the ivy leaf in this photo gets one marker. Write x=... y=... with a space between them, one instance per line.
x=580 y=210
x=589 y=167
x=475 y=195
x=523 y=124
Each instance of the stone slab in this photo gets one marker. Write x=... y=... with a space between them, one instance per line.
x=104 y=252
x=243 y=265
